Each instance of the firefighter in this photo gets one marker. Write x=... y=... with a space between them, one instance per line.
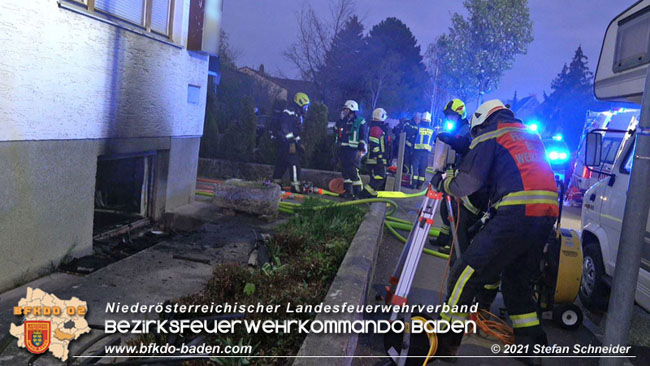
x=459 y=138
x=510 y=160
x=377 y=153
x=287 y=126
x=422 y=143
x=397 y=130
x=351 y=140
x=411 y=129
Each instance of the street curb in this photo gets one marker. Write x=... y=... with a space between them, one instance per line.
x=350 y=286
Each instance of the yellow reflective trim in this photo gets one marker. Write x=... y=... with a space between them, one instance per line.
x=373 y=139
x=495 y=134
x=526 y=202
x=492 y=286
x=469 y=206
x=444 y=229
x=381 y=145
x=371 y=161
x=523 y=316
x=531 y=193
x=370 y=190
x=375 y=150
x=524 y=320
x=454 y=316
x=460 y=284
x=378 y=177
x=446 y=184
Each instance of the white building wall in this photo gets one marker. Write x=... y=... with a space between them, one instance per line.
x=73 y=87
x=64 y=75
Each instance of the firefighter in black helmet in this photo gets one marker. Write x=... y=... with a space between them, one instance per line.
x=287 y=129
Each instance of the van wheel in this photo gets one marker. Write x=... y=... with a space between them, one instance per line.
x=594 y=292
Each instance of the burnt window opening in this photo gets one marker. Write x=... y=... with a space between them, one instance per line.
x=123 y=191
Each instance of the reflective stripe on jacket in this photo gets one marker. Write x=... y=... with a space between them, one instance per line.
x=352 y=133
x=376 y=144
x=511 y=161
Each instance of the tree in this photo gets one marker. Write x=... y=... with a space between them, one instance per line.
x=344 y=62
x=571 y=96
x=314 y=133
x=479 y=48
x=242 y=133
x=314 y=40
x=395 y=74
x=438 y=96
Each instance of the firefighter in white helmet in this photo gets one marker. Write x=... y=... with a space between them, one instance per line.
x=506 y=157
x=377 y=153
x=351 y=136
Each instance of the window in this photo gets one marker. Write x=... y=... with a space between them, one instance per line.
x=609 y=149
x=152 y=15
x=627 y=168
x=632 y=41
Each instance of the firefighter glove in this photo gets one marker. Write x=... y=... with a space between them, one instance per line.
x=436 y=181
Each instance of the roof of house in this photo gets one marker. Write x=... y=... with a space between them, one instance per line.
x=292 y=86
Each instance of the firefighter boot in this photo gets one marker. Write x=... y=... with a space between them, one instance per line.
x=356 y=191
x=531 y=341
x=348 y=191
x=448 y=344
x=441 y=241
x=445 y=249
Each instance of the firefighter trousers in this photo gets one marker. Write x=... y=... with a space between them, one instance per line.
x=510 y=247
x=419 y=162
x=377 y=180
x=288 y=161
x=350 y=170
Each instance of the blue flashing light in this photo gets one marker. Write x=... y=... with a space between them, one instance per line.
x=533 y=126
x=449 y=126
x=557 y=156
x=558 y=137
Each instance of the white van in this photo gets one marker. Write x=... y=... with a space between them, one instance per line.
x=620 y=76
x=602 y=214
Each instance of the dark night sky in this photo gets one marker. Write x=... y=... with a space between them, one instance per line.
x=262 y=29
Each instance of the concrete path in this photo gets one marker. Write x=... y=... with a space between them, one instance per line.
x=148 y=277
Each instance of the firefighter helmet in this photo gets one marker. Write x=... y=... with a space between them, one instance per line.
x=484 y=111
x=426 y=117
x=456 y=106
x=301 y=99
x=351 y=105
x=379 y=114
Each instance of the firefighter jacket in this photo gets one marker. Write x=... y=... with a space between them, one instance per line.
x=511 y=161
x=377 y=152
x=352 y=133
x=411 y=129
x=388 y=156
x=422 y=136
x=287 y=126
